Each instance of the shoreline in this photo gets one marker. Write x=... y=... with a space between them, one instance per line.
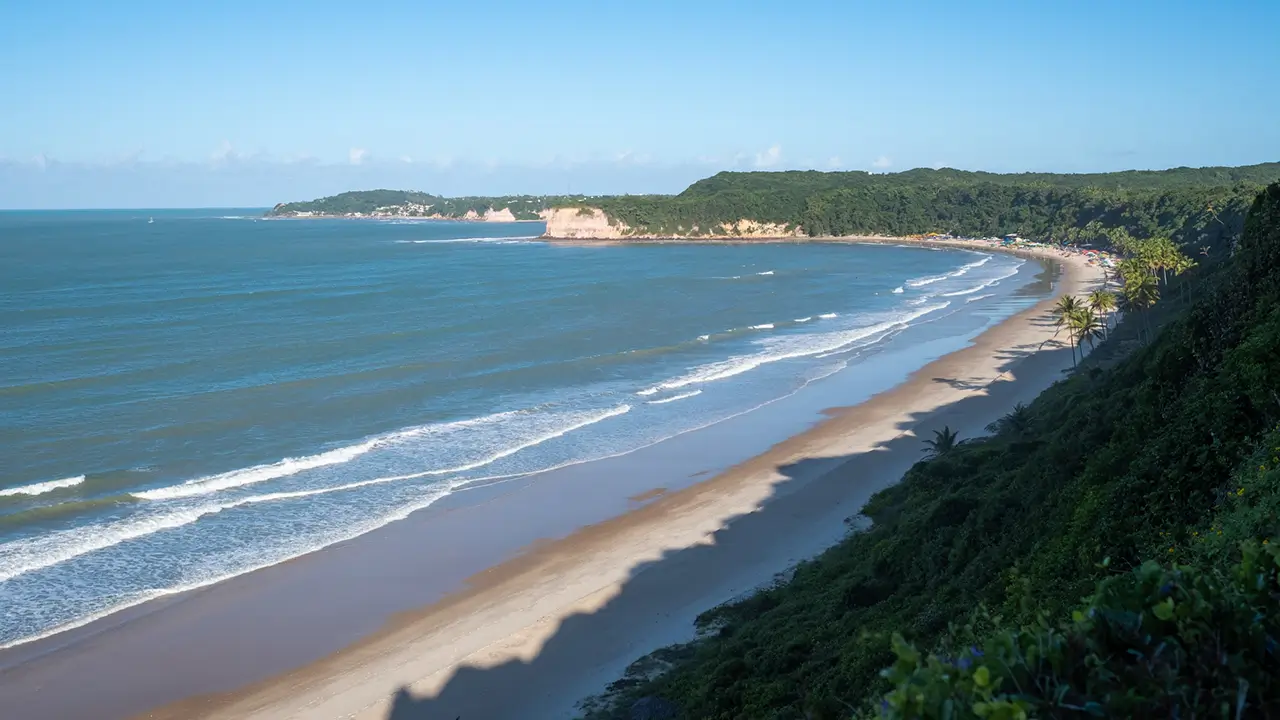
x=412 y=218
x=558 y=622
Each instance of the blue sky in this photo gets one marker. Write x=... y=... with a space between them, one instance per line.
x=154 y=104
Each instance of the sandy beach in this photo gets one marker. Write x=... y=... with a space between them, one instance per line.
x=534 y=635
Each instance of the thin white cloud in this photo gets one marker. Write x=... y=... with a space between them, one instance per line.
x=226 y=152
x=356 y=156
x=882 y=162
x=406 y=159
x=769 y=157
x=834 y=162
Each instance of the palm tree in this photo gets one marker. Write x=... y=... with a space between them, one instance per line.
x=1183 y=264
x=1017 y=422
x=1140 y=293
x=943 y=442
x=1102 y=302
x=1085 y=325
x=1062 y=311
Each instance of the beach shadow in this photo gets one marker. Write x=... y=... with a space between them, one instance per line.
x=809 y=490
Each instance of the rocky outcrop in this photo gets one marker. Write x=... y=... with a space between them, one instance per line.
x=595 y=224
x=503 y=215
x=584 y=224
x=752 y=229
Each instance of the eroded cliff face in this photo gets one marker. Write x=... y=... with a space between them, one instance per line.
x=594 y=224
x=503 y=215
x=587 y=224
x=752 y=229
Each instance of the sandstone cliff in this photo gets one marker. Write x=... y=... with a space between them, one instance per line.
x=585 y=224
x=594 y=224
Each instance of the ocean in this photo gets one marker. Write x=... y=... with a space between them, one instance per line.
x=186 y=396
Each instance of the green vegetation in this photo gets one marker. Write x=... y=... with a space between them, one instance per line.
x=1187 y=205
x=408 y=203
x=1109 y=551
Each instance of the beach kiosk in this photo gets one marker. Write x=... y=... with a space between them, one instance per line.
x=1010 y=239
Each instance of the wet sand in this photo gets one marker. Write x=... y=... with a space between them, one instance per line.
x=534 y=635
x=555 y=617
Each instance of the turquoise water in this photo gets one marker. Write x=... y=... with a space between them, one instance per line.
x=188 y=399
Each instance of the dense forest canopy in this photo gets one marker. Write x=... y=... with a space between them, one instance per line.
x=1194 y=205
x=1108 y=551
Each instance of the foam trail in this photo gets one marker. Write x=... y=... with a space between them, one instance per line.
x=41 y=488
x=980 y=297
x=984 y=285
x=144 y=596
x=898 y=290
x=765 y=326
x=828 y=316
x=704 y=338
x=919 y=282
x=820 y=343
x=24 y=556
x=257 y=473
x=293 y=466
x=591 y=420
x=674 y=398
x=804 y=319
x=766 y=272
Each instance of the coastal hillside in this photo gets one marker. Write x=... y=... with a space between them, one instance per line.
x=412 y=204
x=1110 y=550
x=1200 y=205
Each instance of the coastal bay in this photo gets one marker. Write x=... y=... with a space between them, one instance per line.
x=353 y=587
x=534 y=636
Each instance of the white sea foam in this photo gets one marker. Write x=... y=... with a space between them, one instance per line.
x=257 y=473
x=804 y=319
x=828 y=316
x=30 y=554
x=898 y=290
x=41 y=488
x=980 y=297
x=704 y=338
x=786 y=348
x=766 y=272
x=405 y=511
x=143 y=596
x=585 y=420
x=763 y=326
x=929 y=280
x=674 y=398
x=292 y=466
x=986 y=284
x=23 y=556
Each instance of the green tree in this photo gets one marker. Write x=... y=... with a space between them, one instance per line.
x=1066 y=306
x=1102 y=302
x=943 y=442
x=1139 y=294
x=1016 y=422
x=1085 y=325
